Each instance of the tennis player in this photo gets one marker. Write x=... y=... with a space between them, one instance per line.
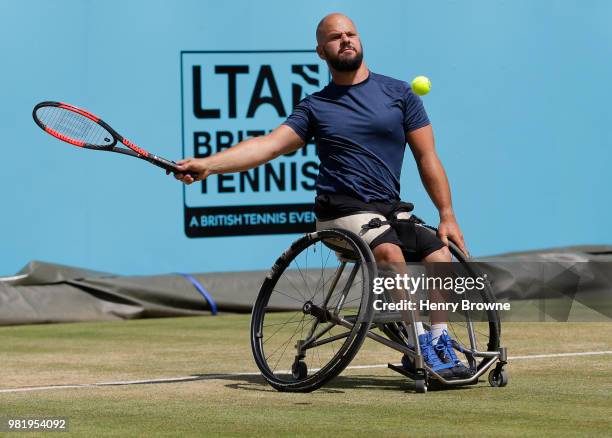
x=361 y=123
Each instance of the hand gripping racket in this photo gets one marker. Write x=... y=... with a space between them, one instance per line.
x=81 y=128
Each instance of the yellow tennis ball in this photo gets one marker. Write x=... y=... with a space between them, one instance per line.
x=421 y=85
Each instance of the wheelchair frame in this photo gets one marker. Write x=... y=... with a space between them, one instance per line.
x=361 y=325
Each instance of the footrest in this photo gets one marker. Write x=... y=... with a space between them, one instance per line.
x=403 y=372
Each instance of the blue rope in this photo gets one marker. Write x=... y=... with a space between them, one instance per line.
x=203 y=292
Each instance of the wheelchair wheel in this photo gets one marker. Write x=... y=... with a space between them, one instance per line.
x=313 y=310
x=482 y=329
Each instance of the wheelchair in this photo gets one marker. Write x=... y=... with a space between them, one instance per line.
x=316 y=307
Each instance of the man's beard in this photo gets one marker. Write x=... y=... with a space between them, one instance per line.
x=347 y=65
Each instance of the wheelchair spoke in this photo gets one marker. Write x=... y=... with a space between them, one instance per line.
x=318 y=356
x=353 y=286
x=325 y=301
x=304 y=279
x=288 y=296
x=354 y=299
x=333 y=287
x=282 y=324
x=295 y=288
x=323 y=266
x=302 y=332
x=462 y=324
x=285 y=345
x=321 y=281
x=346 y=306
x=335 y=338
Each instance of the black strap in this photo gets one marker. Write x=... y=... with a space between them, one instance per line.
x=377 y=223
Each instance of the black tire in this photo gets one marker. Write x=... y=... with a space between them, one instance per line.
x=420 y=386
x=498 y=378
x=299 y=370
x=358 y=256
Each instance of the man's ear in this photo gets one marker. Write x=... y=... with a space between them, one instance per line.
x=321 y=53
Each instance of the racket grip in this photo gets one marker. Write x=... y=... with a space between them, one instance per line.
x=168 y=165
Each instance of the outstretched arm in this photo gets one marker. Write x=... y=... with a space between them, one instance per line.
x=434 y=179
x=245 y=155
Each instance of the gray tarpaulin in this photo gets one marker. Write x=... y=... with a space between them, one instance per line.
x=43 y=292
x=559 y=280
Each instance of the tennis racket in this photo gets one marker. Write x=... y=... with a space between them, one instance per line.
x=83 y=129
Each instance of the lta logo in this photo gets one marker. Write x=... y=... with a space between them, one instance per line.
x=228 y=97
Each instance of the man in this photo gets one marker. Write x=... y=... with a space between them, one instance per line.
x=361 y=122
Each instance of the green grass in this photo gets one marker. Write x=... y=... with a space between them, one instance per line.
x=559 y=396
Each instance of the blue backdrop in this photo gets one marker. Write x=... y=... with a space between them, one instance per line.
x=520 y=107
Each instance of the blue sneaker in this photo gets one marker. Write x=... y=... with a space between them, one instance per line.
x=430 y=357
x=446 y=353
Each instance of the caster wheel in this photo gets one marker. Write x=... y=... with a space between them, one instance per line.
x=421 y=386
x=299 y=370
x=498 y=379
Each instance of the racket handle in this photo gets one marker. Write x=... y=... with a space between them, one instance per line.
x=168 y=165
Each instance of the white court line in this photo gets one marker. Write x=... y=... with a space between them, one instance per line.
x=543 y=356
x=226 y=375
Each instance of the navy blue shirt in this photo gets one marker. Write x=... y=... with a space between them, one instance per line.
x=360 y=132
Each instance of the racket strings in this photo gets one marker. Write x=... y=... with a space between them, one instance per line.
x=75 y=126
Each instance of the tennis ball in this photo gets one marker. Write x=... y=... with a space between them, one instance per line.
x=421 y=85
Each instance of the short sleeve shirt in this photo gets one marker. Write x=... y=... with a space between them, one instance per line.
x=360 y=133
